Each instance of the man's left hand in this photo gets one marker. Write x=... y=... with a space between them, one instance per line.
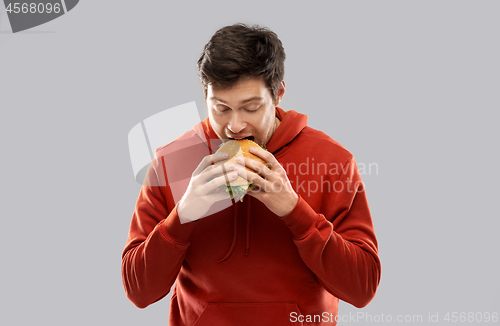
x=274 y=190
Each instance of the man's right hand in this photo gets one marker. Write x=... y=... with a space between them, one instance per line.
x=203 y=189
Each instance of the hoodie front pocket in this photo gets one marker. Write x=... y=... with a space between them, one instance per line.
x=249 y=314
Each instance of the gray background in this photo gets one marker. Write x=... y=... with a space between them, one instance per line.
x=410 y=85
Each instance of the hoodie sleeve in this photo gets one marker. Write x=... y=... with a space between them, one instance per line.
x=157 y=242
x=340 y=248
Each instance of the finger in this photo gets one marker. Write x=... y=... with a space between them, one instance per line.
x=267 y=186
x=266 y=156
x=217 y=157
x=251 y=177
x=254 y=194
x=255 y=188
x=220 y=195
x=258 y=167
x=213 y=171
x=222 y=180
x=208 y=161
x=257 y=194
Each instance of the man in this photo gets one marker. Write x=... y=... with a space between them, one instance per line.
x=299 y=242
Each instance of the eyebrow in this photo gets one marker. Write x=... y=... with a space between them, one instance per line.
x=242 y=102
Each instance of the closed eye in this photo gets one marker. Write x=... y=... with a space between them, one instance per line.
x=221 y=108
x=252 y=109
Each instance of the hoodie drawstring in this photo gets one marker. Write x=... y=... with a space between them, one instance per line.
x=247 y=246
x=235 y=231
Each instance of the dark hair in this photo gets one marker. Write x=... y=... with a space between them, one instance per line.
x=241 y=51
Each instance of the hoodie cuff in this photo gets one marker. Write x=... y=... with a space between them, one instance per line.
x=302 y=220
x=174 y=231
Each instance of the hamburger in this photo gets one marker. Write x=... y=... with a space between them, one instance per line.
x=234 y=148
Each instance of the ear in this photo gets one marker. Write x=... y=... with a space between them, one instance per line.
x=281 y=93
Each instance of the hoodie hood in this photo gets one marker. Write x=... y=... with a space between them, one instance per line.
x=292 y=123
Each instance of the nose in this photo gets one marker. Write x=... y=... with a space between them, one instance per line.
x=236 y=123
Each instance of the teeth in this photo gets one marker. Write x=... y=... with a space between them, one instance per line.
x=249 y=137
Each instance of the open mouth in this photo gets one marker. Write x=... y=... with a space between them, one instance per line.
x=249 y=138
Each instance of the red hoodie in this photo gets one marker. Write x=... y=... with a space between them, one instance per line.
x=243 y=265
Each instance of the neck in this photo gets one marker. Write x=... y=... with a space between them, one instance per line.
x=276 y=124
x=275 y=127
